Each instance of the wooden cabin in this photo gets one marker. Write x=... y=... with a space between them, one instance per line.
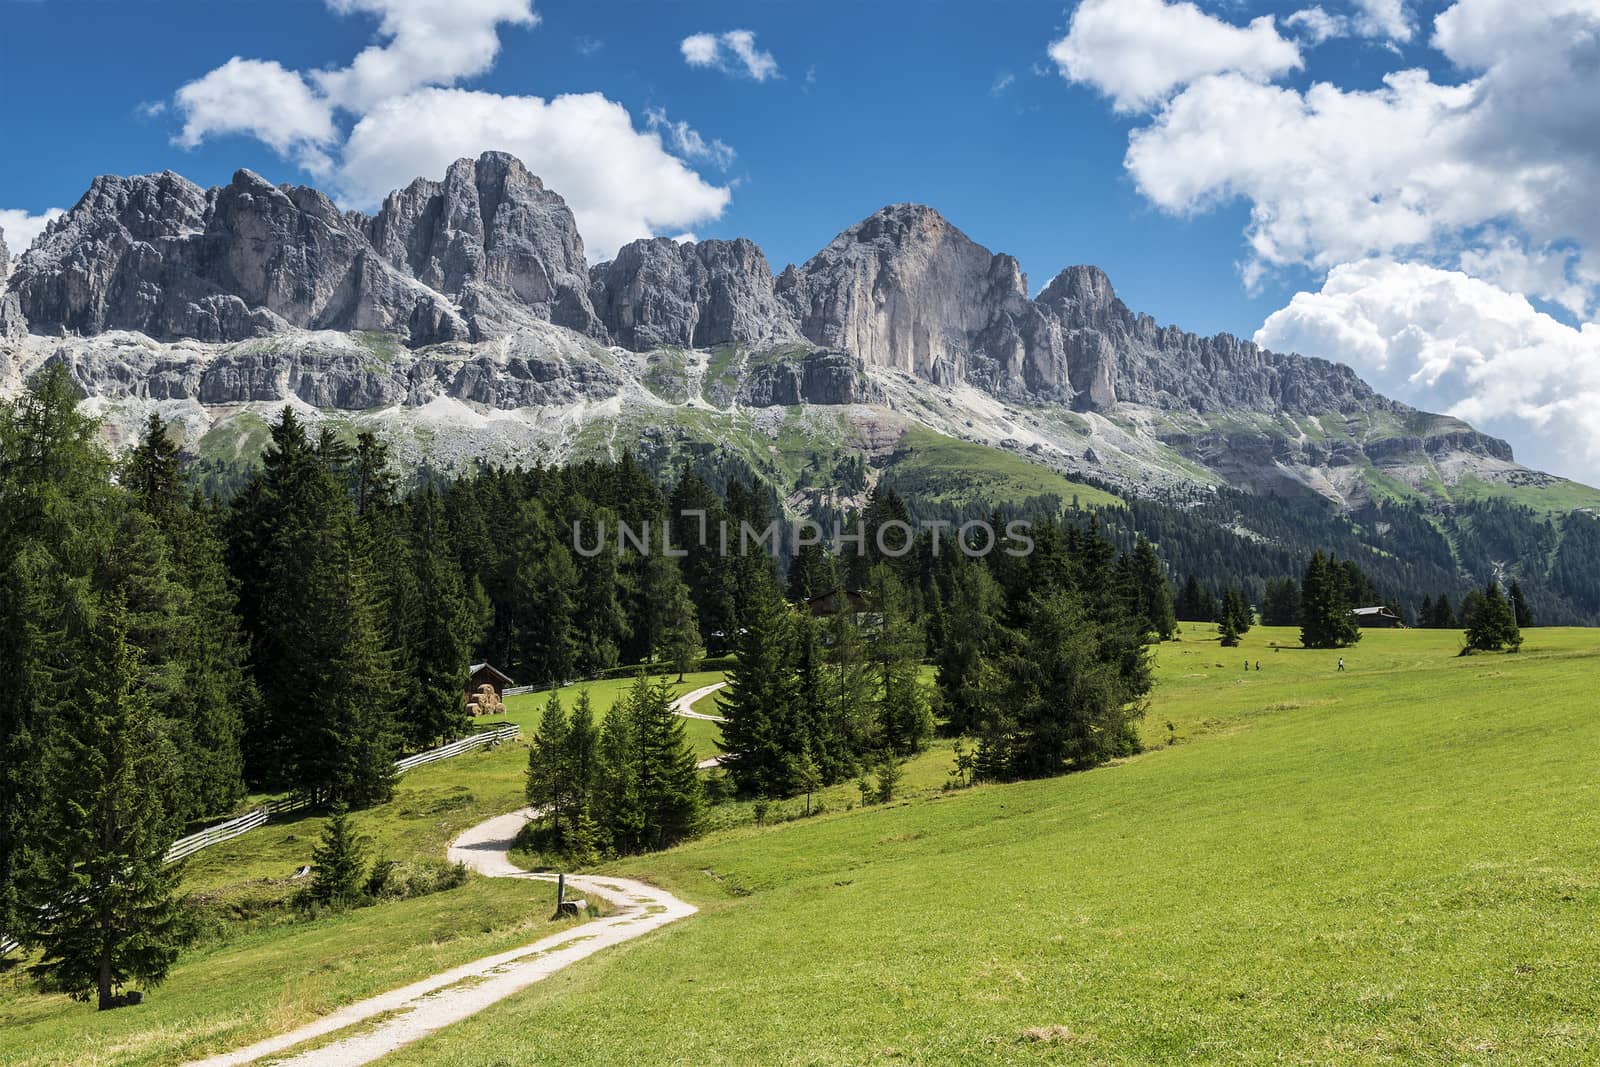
x=1379 y=618
x=482 y=674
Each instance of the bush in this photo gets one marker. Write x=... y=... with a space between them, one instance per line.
x=391 y=880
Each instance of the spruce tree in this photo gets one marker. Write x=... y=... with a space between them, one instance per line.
x=849 y=682
x=811 y=573
x=678 y=637
x=338 y=863
x=1069 y=701
x=1228 y=630
x=619 y=808
x=905 y=720
x=1492 y=622
x=326 y=679
x=544 y=591
x=55 y=498
x=758 y=705
x=670 y=796
x=1325 y=619
x=599 y=619
x=99 y=897
x=964 y=654
x=549 y=777
x=207 y=691
x=580 y=760
x=1236 y=611
x=440 y=645
x=1194 y=603
x=1154 y=594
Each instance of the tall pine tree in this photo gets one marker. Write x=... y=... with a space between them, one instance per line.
x=100 y=899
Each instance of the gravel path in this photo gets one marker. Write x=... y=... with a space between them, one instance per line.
x=684 y=705
x=417 y=1010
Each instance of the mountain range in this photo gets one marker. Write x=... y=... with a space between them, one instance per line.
x=462 y=321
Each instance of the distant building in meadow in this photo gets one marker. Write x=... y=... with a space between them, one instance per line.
x=1380 y=618
x=484 y=674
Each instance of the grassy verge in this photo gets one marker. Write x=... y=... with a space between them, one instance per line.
x=273 y=979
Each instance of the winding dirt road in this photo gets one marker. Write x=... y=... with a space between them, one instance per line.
x=684 y=705
x=417 y=1010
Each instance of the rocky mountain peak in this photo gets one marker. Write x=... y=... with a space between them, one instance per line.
x=907 y=290
x=491 y=236
x=5 y=255
x=661 y=292
x=1083 y=289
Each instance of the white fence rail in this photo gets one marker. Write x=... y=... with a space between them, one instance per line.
x=215 y=835
x=185 y=847
x=466 y=744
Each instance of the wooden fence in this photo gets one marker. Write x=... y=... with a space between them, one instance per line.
x=455 y=748
x=185 y=847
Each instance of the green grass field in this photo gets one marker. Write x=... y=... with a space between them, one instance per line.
x=1397 y=864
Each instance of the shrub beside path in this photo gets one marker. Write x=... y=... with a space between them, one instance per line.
x=413 y=1012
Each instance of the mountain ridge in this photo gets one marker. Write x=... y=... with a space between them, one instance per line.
x=474 y=289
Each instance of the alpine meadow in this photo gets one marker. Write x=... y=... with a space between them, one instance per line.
x=464 y=602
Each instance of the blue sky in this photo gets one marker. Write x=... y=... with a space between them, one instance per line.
x=1364 y=220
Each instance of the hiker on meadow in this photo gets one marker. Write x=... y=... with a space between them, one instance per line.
x=1341 y=663
x=1258 y=665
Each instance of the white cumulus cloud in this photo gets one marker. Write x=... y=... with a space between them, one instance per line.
x=1316 y=24
x=620 y=182
x=688 y=142
x=408 y=118
x=264 y=100
x=1138 y=51
x=1440 y=339
x=21 y=227
x=1412 y=167
x=734 y=51
x=425 y=42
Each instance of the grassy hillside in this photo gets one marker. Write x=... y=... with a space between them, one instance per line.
x=943 y=469
x=1395 y=864
x=267 y=969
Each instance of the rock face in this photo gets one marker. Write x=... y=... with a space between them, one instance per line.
x=495 y=240
x=337 y=373
x=693 y=295
x=906 y=290
x=12 y=323
x=160 y=255
x=1114 y=355
x=818 y=377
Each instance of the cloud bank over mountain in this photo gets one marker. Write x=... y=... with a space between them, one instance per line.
x=1434 y=207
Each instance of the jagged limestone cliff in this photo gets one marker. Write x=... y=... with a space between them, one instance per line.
x=468 y=298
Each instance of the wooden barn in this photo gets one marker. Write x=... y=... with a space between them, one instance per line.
x=1380 y=618
x=483 y=674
